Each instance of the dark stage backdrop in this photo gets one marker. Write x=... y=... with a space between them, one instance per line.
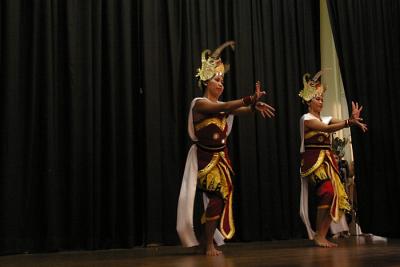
x=72 y=125
x=94 y=99
x=367 y=37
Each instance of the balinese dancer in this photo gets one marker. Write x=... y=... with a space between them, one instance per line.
x=317 y=163
x=208 y=166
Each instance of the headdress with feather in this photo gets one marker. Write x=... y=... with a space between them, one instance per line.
x=312 y=87
x=212 y=64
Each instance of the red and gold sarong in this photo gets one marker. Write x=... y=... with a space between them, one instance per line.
x=318 y=164
x=215 y=171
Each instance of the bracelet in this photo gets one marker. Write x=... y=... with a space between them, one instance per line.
x=247 y=100
x=346 y=123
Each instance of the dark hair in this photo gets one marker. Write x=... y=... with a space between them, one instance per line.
x=304 y=106
x=202 y=85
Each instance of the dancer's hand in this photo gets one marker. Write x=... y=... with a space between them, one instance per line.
x=265 y=109
x=258 y=93
x=355 y=113
x=357 y=122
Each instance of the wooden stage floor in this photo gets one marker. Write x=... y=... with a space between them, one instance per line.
x=354 y=252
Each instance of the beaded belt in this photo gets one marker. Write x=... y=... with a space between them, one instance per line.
x=318 y=146
x=211 y=148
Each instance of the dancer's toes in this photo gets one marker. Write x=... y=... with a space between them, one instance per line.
x=323 y=242
x=212 y=251
x=332 y=245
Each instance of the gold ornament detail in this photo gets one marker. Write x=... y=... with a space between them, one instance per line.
x=312 y=87
x=211 y=63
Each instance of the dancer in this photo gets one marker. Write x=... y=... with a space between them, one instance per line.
x=317 y=163
x=208 y=165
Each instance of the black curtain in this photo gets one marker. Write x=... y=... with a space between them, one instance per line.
x=71 y=125
x=367 y=37
x=94 y=102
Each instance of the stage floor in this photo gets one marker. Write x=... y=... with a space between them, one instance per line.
x=352 y=252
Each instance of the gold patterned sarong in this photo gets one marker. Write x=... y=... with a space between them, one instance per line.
x=318 y=164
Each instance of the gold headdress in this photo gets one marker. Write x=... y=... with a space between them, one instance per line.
x=213 y=64
x=312 y=87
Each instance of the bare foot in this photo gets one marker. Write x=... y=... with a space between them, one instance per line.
x=323 y=242
x=212 y=251
x=333 y=245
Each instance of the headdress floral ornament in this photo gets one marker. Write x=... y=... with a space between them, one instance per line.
x=212 y=64
x=311 y=87
x=338 y=146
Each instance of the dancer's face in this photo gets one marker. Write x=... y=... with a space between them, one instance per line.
x=317 y=103
x=216 y=85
